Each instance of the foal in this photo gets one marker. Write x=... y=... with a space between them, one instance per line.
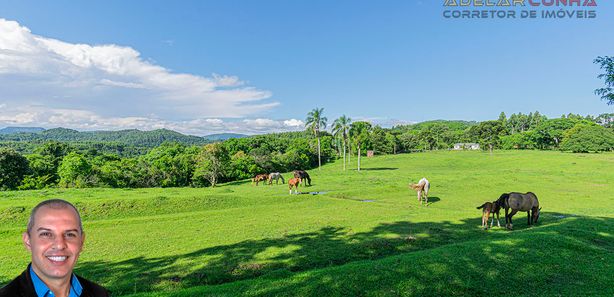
x=487 y=209
x=293 y=183
x=422 y=188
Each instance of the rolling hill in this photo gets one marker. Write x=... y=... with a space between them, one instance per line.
x=351 y=234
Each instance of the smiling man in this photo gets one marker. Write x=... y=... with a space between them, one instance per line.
x=55 y=238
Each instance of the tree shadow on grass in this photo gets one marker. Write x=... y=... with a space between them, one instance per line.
x=232 y=183
x=379 y=168
x=251 y=261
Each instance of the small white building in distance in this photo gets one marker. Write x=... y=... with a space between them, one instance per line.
x=466 y=146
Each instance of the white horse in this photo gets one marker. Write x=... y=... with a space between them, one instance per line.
x=422 y=188
x=276 y=176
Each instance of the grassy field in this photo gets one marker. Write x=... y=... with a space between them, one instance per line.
x=364 y=235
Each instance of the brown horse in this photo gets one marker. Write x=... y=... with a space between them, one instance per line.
x=520 y=202
x=260 y=177
x=487 y=209
x=303 y=175
x=293 y=183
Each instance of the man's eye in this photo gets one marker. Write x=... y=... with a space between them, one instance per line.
x=71 y=235
x=46 y=234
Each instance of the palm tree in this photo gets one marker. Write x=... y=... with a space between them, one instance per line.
x=341 y=127
x=315 y=122
x=360 y=133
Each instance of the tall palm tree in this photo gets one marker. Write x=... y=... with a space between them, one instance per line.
x=315 y=122
x=341 y=128
x=360 y=133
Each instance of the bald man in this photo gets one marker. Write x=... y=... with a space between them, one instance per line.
x=55 y=238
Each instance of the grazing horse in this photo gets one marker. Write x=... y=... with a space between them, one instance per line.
x=260 y=177
x=303 y=175
x=520 y=202
x=293 y=183
x=422 y=188
x=276 y=176
x=487 y=209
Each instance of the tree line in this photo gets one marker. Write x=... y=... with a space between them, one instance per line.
x=125 y=142
x=171 y=164
x=174 y=164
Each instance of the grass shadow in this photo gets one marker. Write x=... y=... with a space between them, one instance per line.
x=327 y=247
x=379 y=168
x=233 y=183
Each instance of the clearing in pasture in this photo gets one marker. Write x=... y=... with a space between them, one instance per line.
x=242 y=240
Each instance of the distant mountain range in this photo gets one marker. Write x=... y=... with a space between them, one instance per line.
x=224 y=136
x=128 y=137
x=12 y=130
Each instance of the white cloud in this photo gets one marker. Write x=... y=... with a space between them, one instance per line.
x=121 y=84
x=39 y=116
x=109 y=82
x=383 y=121
x=294 y=123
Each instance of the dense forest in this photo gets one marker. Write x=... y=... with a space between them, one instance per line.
x=163 y=158
x=124 y=143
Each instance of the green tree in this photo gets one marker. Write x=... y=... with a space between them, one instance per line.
x=13 y=168
x=341 y=129
x=392 y=142
x=503 y=118
x=315 y=122
x=550 y=132
x=53 y=152
x=433 y=136
x=488 y=133
x=172 y=164
x=379 y=142
x=360 y=133
x=607 y=64
x=584 y=138
x=299 y=155
x=74 y=171
x=242 y=166
x=43 y=172
x=212 y=164
x=263 y=158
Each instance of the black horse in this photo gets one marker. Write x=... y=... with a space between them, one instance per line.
x=520 y=202
x=303 y=175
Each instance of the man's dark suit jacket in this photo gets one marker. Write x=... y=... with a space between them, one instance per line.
x=22 y=286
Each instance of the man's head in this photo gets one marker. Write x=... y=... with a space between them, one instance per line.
x=55 y=238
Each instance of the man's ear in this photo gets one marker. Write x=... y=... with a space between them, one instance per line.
x=26 y=240
x=82 y=239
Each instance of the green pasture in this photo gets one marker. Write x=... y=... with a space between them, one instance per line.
x=365 y=234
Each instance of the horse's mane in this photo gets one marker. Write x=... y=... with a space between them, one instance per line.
x=502 y=199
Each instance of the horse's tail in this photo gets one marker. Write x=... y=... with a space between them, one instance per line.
x=481 y=206
x=282 y=179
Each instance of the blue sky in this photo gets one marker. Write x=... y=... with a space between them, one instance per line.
x=204 y=67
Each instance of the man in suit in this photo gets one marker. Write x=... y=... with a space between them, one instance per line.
x=55 y=238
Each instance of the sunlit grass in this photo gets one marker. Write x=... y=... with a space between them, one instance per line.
x=367 y=235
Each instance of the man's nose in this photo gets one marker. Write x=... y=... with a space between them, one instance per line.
x=59 y=243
